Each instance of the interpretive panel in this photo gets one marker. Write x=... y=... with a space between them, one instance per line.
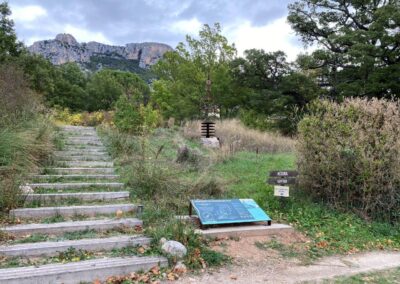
x=228 y=211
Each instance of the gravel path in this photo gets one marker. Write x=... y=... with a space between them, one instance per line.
x=252 y=265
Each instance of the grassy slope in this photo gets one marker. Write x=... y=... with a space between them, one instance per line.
x=244 y=175
x=330 y=231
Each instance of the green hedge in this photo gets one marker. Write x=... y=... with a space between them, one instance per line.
x=348 y=156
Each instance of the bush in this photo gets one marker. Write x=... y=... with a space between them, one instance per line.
x=348 y=156
x=83 y=118
x=284 y=123
x=22 y=151
x=135 y=119
x=17 y=101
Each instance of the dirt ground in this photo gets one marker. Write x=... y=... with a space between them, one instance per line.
x=260 y=263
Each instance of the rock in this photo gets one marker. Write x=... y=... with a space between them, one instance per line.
x=174 y=248
x=163 y=241
x=180 y=268
x=66 y=38
x=26 y=189
x=64 y=48
x=183 y=154
x=211 y=142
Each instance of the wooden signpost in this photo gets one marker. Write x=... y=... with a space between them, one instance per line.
x=282 y=181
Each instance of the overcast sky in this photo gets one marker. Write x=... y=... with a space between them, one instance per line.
x=247 y=23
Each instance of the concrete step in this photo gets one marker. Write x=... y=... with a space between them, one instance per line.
x=87 y=148
x=98 y=158
x=71 y=226
x=86 y=196
x=84 y=145
x=90 y=164
x=80 y=153
x=68 y=211
x=72 y=133
x=70 y=143
x=69 y=131
x=74 y=185
x=83 y=170
x=53 y=248
x=77 y=127
x=78 y=272
x=75 y=177
x=83 y=138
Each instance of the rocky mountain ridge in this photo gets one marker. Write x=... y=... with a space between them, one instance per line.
x=65 y=48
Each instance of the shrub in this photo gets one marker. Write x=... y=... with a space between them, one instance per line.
x=83 y=118
x=137 y=119
x=348 y=156
x=21 y=152
x=17 y=101
x=285 y=122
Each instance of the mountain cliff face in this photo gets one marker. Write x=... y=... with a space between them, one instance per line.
x=64 y=48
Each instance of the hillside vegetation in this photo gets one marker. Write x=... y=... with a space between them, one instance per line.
x=333 y=115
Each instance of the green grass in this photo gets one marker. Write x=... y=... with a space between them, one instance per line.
x=285 y=250
x=53 y=219
x=331 y=231
x=243 y=175
x=75 y=190
x=381 y=277
x=23 y=148
x=86 y=234
x=72 y=201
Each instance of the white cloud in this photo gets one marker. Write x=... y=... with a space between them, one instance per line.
x=27 y=13
x=83 y=35
x=274 y=36
x=185 y=27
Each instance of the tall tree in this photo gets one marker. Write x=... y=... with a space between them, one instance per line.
x=106 y=86
x=69 y=89
x=360 y=43
x=183 y=74
x=9 y=45
x=274 y=90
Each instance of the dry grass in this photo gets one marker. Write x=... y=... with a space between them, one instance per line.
x=234 y=137
x=348 y=156
x=17 y=101
x=22 y=151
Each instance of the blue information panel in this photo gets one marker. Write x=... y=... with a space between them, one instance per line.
x=228 y=211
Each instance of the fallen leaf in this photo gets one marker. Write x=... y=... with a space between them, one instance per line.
x=180 y=269
x=322 y=244
x=119 y=213
x=233 y=277
x=155 y=270
x=143 y=278
x=171 y=276
x=133 y=276
x=141 y=250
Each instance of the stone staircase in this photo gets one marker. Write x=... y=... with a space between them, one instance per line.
x=81 y=193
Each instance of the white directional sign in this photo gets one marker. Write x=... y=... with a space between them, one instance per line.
x=282 y=191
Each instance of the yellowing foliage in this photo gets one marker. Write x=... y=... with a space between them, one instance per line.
x=65 y=116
